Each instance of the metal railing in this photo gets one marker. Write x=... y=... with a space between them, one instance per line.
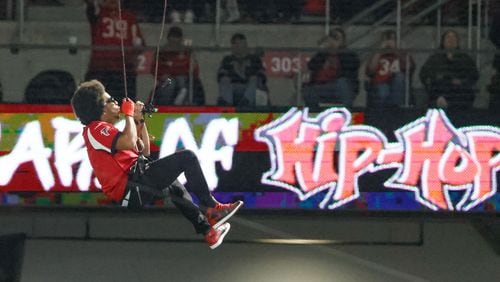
x=286 y=70
x=481 y=7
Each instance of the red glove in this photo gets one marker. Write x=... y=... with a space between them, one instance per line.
x=127 y=107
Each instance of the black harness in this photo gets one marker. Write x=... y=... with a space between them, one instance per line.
x=136 y=177
x=135 y=184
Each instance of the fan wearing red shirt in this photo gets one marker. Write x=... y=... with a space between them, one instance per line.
x=107 y=31
x=333 y=72
x=115 y=155
x=387 y=70
x=176 y=67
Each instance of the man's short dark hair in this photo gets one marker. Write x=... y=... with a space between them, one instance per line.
x=87 y=101
x=175 y=32
x=237 y=36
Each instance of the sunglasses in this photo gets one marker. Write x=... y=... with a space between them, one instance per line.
x=111 y=100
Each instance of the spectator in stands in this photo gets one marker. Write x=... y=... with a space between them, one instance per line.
x=494 y=87
x=449 y=75
x=314 y=7
x=333 y=73
x=176 y=67
x=261 y=11
x=232 y=11
x=181 y=11
x=387 y=71
x=241 y=77
x=289 y=11
x=187 y=11
x=106 y=63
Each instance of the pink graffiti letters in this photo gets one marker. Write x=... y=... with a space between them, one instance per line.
x=431 y=156
x=436 y=157
x=301 y=159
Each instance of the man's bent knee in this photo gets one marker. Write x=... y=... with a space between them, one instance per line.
x=188 y=154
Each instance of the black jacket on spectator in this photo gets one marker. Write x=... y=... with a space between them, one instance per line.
x=349 y=65
x=252 y=65
x=437 y=75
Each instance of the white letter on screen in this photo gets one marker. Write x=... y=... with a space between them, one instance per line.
x=69 y=152
x=179 y=132
x=29 y=147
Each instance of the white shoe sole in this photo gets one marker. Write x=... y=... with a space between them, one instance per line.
x=226 y=228
x=224 y=219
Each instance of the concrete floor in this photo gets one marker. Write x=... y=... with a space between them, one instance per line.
x=452 y=250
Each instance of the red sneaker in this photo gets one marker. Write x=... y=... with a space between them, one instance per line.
x=215 y=236
x=222 y=212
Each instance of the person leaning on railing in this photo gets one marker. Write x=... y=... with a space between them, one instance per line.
x=450 y=76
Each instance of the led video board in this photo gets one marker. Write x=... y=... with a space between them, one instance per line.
x=331 y=160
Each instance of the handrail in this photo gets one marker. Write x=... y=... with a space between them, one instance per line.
x=217 y=22
x=9 y=7
x=478 y=31
x=327 y=17
x=426 y=11
x=21 y=20
x=382 y=20
x=404 y=24
x=365 y=12
x=228 y=49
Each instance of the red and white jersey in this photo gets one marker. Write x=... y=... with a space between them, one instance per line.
x=175 y=63
x=107 y=32
x=388 y=65
x=328 y=72
x=111 y=167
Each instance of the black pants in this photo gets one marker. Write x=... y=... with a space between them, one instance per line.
x=459 y=97
x=159 y=180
